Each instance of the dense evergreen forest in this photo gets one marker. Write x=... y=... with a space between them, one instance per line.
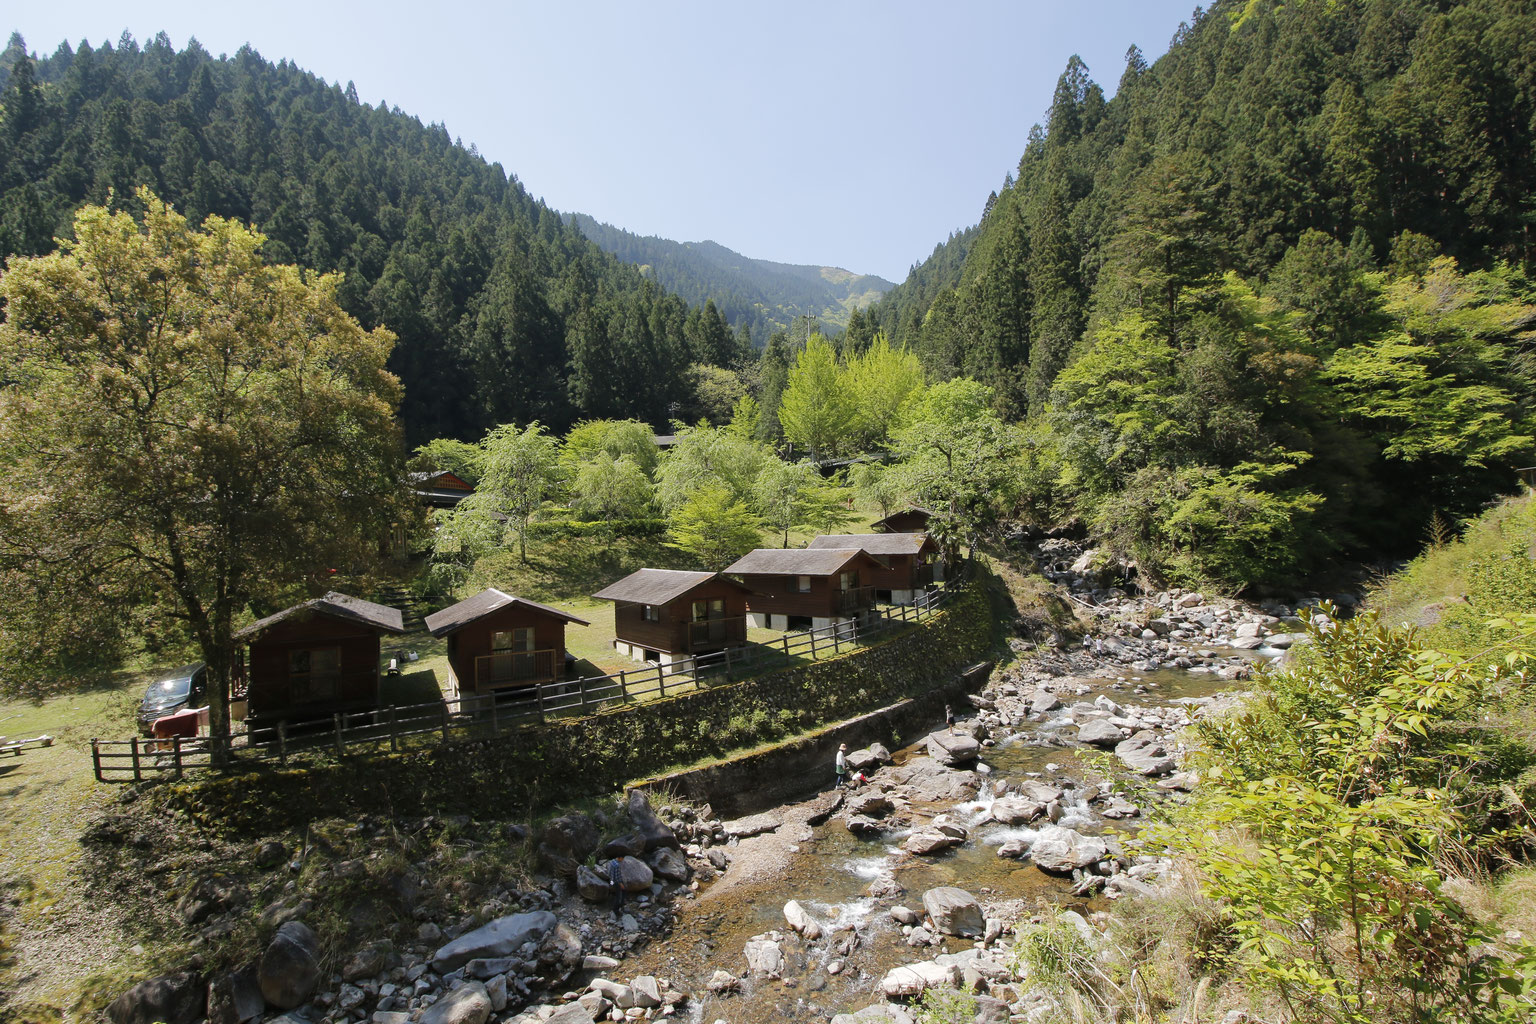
x=761 y=294
x=504 y=313
x=1215 y=296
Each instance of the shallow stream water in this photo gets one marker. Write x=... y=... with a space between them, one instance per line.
x=831 y=873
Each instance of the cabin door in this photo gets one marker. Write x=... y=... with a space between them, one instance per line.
x=709 y=620
x=511 y=654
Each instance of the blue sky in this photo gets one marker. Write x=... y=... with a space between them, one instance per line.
x=854 y=134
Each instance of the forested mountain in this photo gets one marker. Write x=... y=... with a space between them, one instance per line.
x=764 y=295
x=504 y=313
x=1274 y=297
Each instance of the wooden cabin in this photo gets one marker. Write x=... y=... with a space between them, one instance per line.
x=315 y=659
x=438 y=488
x=497 y=641
x=912 y=558
x=911 y=520
x=669 y=615
x=797 y=588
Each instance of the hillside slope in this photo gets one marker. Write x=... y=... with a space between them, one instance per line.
x=766 y=296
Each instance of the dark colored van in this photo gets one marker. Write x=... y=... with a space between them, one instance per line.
x=185 y=687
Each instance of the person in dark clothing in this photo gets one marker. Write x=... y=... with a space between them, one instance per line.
x=616 y=883
x=949 y=718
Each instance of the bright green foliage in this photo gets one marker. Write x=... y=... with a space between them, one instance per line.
x=878 y=485
x=186 y=429
x=829 y=508
x=880 y=383
x=619 y=439
x=782 y=495
x=746 y=418
x=522 y=473
x=460 y=458
x=946 y=1006
x=1338 y=800
x=816 y=412
x=714 y=526
x=704 y=456
x=610 y=488
x=716 y=391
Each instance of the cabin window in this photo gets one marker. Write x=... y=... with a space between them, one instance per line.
x=711 y=609
x=847 y=580
x=650 y=613
x=802 y=584
x=313 y=674
x=520 y=639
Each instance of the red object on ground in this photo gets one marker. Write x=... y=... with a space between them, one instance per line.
x=182 y=723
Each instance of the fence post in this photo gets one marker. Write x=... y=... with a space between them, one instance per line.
x=96 y=758
x=282 y=742
x=661 y=680
x=394 y=727
x=341 y=743
x=445 y=721
x=727 y=664
x=581 y=690
x=176 y=754
x=138 y=776
x=495 y=724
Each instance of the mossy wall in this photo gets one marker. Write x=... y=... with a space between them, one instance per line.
x=516 y=774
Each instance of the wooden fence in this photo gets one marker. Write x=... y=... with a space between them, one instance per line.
x=484 y=716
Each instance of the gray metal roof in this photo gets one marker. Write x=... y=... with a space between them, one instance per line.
x=656 y=586
x=797 y=561
x=876 y=543
x=910 y=510
x=337 y=605
x=472 y=609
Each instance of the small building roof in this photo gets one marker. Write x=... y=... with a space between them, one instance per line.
x=876 y=543
x=798 y=561
x=336 y=605
x=912 y=510
x=657 y=586
x=472 y=609
x=443 y=479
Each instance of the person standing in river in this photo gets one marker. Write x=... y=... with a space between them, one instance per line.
x=841 y=764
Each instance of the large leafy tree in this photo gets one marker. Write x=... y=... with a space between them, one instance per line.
x=522 y=473
x=715 y=527
x=186 y=422
x=815 y=412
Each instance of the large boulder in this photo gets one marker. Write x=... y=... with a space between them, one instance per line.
x=764 y=958
x=929 y=841
x=234 y=997
x=954 y=911
x=1146 y=753
x=467 y=1004
x=669 y=864
x=911 y=980
x=1060 y=851
x=290 y=967
x=570 y=1013
x=928 y=781
x=646 y=823
x=592 y=885
x=559 y=953
x=1099 y=733
x=566 y=842
x=1016 y=810
x=635 y=875
x=871 y=804
x=630 y=844
x=170 y=999
x=800 y=920
x=863 y=760
x=502 y=937
x=953 y=748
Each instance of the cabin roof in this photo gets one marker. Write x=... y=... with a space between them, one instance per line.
x=798 y=561
x=473 y=609
x=657 y=586
x=444 y=479
x=912 y=510
x=876 y=543
x=336 y=605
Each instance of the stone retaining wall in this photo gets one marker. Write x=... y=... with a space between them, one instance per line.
x=516 y=775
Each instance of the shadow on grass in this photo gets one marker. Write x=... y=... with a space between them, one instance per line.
x=419 y=687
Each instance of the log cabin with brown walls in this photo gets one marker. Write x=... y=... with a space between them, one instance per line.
x=913 y=560
x=668 y=615
x=498 y=641
x=910 y=520
x=794 y=588
x=439 y=488
x=316 y=658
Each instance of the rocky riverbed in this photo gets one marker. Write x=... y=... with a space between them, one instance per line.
x=919 y=875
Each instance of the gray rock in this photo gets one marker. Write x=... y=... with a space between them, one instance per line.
x=1014 y=810
x=467 y=1004
x=929 y=842
x=635 y=875
x=630 y=844
x=669 y=863
x=862 y=760
x=1145 y=753
x=874 y=805
x=764 y=958
x=911 y=980
x=235 y=997
x=646 y=991
x=290 y=967
x=597 y=962
x=1043 y=701
x=953 y=748
x=570 y=1013
x=1042 y=792
x=920 y=936
x=800 y=920
x=1060 y=850
x=723 y=981
x=859 y=825
x=954 y=911
x=881 y=1013
x=593 y=886
x=567 y=841
x=1099 y=733
x=502 y=937
x=169 y=999
x=904 y=915
x=496 y=992
x=991 y=1011
x=484 y=969
x=881 y=754
x=655 y=832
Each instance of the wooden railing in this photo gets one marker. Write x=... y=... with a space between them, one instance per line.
x=485 y=716
x=855 y=599
x=508 y=668
x=706 y=633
